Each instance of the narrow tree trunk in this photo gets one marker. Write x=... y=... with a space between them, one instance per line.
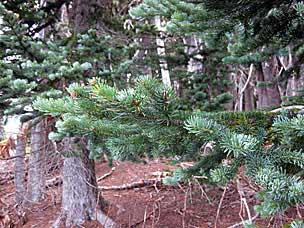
x=140 y=55
x=249 y=98
x=248 y=90
x=37 y=162
x=268 y=93
x=20 y=167
x=91 y=12
x=261 y=90
x=273 y=93
x=1 y=129
x=192 y=46
x=161 y=51
x=80 y=198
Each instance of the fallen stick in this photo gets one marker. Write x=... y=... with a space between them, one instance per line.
x=56 y=181
x=106 y=175
x=246 y=221
x=138 y=184
x=288 y=108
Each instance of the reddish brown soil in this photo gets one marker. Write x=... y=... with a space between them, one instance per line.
x=150 y=206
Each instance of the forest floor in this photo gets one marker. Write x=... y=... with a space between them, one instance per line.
x=185 y=206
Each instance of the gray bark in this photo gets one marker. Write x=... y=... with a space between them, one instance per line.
x=80 y=198
x=268 y=95
x=2 y=135
x=161 y=51
x=193 y=45
x=249 y=98
x=90 y=12
x=140 y=55
x=37 y=163
x=20 y=168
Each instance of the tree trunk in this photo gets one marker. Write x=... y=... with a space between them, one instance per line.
x=193 y=46
x=249 y=98
x=267 y=92
x=161 y=51
x=37 y=163
x=91 y=12
x=2 y=133
x=80 y=198
x=140 y=55
x=20 y=167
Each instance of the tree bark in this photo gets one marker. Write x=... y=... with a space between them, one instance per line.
x=90 y=12
x=80 y=198
x=268 y=94
x=161 y=51
x=1 y=129
x=192 y=46
x=20 y=168
x=37 y=163
x=140 y=55
x=249 y=98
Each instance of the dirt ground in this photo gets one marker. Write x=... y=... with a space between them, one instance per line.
x=185 y=206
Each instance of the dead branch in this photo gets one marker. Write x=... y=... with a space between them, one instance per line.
x=106 y=175
x=56 y=181
x=138 y=184
x=288 y=108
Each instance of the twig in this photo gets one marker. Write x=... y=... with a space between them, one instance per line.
x=106 y=175
x=219 y=206
x=203 y=191
x=145 y=218
x=185 y=207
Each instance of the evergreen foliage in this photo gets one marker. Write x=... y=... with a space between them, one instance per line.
x=31 y=66
x=146 y=121
x=90 y=83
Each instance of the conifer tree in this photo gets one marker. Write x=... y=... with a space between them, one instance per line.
x=145 y=120
x=251 y=32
